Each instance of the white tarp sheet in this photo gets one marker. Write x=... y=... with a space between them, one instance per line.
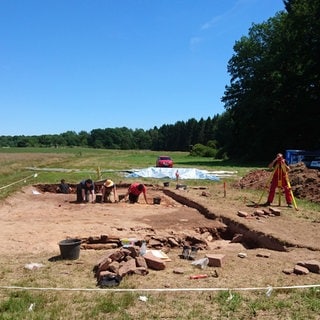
x=170 y=173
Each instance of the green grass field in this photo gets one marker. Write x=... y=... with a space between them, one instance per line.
x=19 y=165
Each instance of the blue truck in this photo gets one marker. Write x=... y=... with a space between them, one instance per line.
x=310 y=158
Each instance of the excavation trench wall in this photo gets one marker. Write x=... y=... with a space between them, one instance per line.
x=251 y=238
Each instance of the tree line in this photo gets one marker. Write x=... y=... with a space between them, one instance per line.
x=181 y=136
x=271 y=103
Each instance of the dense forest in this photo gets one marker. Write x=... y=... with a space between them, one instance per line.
x=271 y=104
x=273 y=96
x=181 y=136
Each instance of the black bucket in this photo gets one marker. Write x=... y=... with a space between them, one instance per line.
x=166 y=184
x=156 y=200
x=121 y=196
x=70 y=249
x=98 y=198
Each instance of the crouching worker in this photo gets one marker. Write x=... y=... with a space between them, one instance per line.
x=85 y=191
x=63 y=187
x=134 y=192
x=109 y=192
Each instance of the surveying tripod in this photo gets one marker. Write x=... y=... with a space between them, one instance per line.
x=280 y=173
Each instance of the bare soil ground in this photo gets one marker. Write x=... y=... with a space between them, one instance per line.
x=33 y=221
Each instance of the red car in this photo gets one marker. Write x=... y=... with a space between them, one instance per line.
x=164 y=161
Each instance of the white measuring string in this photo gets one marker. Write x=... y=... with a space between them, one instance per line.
x=34 y=175
x=104 y=290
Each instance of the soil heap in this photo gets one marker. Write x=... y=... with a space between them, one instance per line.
x=305 y=182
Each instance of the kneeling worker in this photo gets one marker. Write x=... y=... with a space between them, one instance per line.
x=108 y=190
x=85 y=191
x=134 y=192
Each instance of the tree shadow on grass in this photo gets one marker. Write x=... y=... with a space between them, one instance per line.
x=218 y=163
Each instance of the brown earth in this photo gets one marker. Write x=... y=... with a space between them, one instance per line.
x=35 y=219
x=305 y=182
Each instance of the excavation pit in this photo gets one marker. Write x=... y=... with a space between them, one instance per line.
x=182 y=216
x=33 y=220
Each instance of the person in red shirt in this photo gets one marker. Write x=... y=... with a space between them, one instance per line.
x=134 y=192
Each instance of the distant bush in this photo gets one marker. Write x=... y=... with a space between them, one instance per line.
x=203 y=151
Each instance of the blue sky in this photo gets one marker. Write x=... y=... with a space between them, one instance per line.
x=87 y=64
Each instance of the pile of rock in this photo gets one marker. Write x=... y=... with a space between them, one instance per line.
x=103 y=242
x=270 y=212
x=116 y=264
x=199 y=238
x=304 y=267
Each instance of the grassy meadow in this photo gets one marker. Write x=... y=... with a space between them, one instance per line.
x=18 y=168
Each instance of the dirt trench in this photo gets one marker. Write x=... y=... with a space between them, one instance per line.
x=223 y=227
x=249 y=238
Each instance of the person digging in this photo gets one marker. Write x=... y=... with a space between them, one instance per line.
x=109 y=191
x=134 y=192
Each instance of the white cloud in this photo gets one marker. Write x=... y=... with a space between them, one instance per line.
x=228 y=15
x=212 y=22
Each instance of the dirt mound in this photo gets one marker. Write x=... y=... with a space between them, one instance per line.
x=305 y=182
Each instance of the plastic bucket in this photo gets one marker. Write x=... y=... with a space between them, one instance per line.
x=181 y=187
x=166 y=184
x=128 y=242
x=156 y=200
x=70 y=249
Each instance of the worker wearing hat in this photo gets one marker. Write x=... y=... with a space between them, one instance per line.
x=109 y=191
